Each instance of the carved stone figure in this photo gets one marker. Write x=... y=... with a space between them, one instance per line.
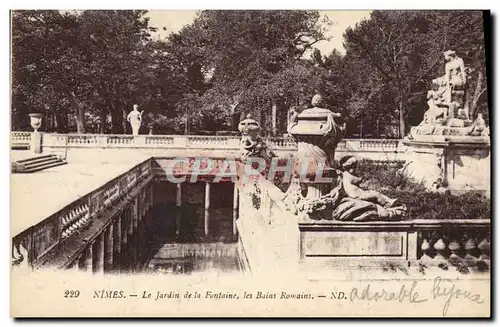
x=479 y=126
x=448 y=110
x=135 y=119
x=251 y=144
x=352 y=189
x=455 y=74
x=435 y=111
x=347 y=201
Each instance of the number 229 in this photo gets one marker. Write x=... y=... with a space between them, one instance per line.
x=73 y=294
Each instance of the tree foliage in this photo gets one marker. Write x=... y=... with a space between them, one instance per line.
x=85 y=69
x=402 y=51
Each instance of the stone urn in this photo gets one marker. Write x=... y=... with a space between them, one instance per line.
x=317 y=132
x=36 y=137
x=36 y=120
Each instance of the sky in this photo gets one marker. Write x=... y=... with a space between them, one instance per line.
x=175 y=20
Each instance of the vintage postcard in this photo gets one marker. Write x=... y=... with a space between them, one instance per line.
x=250 y=163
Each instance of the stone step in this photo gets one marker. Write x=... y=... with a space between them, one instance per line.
x=36 y=162
x=45 y=156
x=43 y=166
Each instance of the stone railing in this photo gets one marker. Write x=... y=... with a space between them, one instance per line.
x=20 y=140
x=463 y=243
x=370 y=145
x=281 y=143
x=419 y=244
x=268 y=231
x=31 y=246
x=192 y=141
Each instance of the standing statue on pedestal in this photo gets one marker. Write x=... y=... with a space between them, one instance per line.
x=448 y=108
x=135 y=119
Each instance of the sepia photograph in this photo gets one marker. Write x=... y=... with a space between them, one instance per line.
x=250 y=163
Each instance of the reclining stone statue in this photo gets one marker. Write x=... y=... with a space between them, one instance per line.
x=347 y=201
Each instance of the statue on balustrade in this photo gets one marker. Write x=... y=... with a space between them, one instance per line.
x=252 y=144
x=135 y=119
x=448 y=108
x=347 y=201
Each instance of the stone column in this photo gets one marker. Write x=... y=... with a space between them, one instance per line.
x=117 y=243
x=125 y=221
x=109 y=248
x=86 y=261
x=136 y=213
x=99 y=253
x=207 y=206
x=125 y=239
x=75 y=265
x=132 y=237
x=178 y=204
x=235 y=207
x=131 y=218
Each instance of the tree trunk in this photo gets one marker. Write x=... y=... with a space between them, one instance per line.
x=402 y=126
x=116 y=119
x=234 y=116
x=59 y=122
x=79 y=113
x=477 y=94
x=102 y=116
x=186 y=124
x=124 y=120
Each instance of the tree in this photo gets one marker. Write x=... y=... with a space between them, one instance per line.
x=39 y=58
x=405 y=50
x=245 y=55
x=96 y=61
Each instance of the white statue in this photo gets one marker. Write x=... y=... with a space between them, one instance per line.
x=135 y=119
x=455 y=73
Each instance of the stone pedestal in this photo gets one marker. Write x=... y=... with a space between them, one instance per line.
x=459 y=163
x=36 y=142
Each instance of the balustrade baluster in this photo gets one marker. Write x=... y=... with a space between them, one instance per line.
x=454 y=248
x=426 y=249
x=440 y=257
x=470 y=248
x=484 y=248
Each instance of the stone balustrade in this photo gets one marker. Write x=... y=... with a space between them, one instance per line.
x=191 y=141
x=268 y=229
x=82 y=221
x=281 y=143
x=94 y=231
x=268 y=232
x=20 y=140
x=465 y=248
x=421 y=244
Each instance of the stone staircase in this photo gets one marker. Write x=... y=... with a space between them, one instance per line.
x=35 y=164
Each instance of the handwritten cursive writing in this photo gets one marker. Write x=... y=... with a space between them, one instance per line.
x=405 y=293
x=445 y=288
